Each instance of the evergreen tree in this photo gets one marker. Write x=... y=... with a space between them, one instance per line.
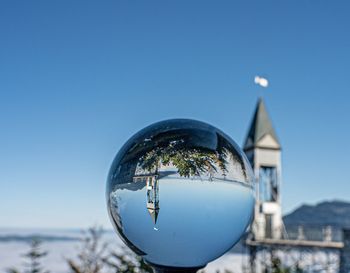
x=298 y=268
x=91 y=255
x=32 y=259
x=94 y=257
x=127 y=262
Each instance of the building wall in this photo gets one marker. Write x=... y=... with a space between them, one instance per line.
x=267 y=210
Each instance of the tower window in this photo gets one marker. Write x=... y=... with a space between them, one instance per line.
x=268 y=186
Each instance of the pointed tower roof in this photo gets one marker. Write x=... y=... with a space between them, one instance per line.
x=154 y=214
x=261 y=133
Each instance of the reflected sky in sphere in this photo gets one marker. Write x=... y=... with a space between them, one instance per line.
x=180 y=193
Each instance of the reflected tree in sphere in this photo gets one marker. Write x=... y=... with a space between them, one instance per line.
x=180 y=193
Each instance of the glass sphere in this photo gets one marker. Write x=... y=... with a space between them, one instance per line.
x=180 y=193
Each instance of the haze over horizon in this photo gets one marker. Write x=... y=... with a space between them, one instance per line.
x=79 y=78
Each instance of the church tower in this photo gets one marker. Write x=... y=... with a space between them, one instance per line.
x=264 y=153
x=153 y=197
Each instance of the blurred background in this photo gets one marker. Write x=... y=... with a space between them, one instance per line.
x=77 y=79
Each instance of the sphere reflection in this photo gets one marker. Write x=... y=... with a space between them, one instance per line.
x=180 y=193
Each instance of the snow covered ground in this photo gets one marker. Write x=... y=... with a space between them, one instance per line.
x=64 y=244
x=59 y=250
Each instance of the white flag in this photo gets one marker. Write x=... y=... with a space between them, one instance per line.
x=261 y=81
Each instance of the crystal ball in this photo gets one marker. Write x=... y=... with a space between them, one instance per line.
x=180 y=193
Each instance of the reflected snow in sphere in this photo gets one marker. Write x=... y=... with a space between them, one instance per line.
x=180 y=193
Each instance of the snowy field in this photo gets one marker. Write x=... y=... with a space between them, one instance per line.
x=61 y=248
x=64 y=244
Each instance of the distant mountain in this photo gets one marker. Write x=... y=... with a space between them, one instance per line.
x=332 y=213
x=49 y=235
x=28 y=238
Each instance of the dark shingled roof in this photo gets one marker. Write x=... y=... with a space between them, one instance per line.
x=260 y=126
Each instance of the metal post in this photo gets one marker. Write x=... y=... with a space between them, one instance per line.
x=345 y=253
x=177 y=270
x=174 y=270
x=167 y=269
x=252 y=258
x=301 y=235
x=327 y=234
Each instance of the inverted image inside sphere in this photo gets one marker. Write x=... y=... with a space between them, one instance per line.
x=180 y=193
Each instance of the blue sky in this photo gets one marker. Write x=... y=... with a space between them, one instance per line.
x=78 y=78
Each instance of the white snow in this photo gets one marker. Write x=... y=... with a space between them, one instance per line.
x=11 y=254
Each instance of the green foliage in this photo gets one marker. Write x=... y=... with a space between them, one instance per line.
x=298 y=268
x=33 y=258
x=277 y=267
x=189 y=162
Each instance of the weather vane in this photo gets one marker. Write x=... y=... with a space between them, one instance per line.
x=261 y=81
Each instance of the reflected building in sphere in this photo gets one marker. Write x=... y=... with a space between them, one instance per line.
x=153 y=197
x=152 y=193
x=180 y=193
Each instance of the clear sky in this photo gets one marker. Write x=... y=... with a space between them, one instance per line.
x=78 y=78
